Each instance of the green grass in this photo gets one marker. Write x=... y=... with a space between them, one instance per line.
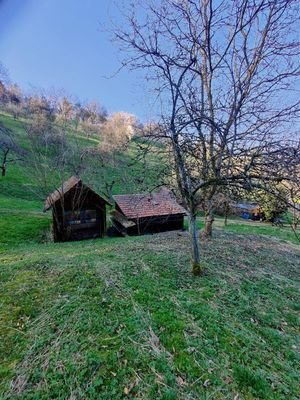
x=124 y=318
x=17 y=228
x=94 y=319
x=281 y=233
x=20 y=181
x=240 y=226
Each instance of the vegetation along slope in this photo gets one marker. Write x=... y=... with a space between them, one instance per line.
x=124 y=318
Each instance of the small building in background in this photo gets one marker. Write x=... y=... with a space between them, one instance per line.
x=248 y=210
x=78 y=212
x=147 y=213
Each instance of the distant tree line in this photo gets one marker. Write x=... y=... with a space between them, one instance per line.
x=53 y=124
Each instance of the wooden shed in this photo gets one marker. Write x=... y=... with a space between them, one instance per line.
x=78 y=212
x=248 y=210
x=148 y=213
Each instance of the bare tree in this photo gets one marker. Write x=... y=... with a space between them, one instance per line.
x=11 y=152
x=79 y=113
x=89 y=117
x=117 y=131
x=292 y=188
x=64 y=109
x=4 y=98
x=10 y=94
x=225 y=73
x=39 y=105
x=95 y=113
x=4 y=76
x=295 y=209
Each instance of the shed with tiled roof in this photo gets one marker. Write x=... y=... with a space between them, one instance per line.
x=78 y=212
x=151 y=212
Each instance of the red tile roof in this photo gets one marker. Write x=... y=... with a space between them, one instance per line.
x=148 y=205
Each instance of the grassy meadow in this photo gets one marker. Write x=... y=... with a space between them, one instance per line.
x=123 y=318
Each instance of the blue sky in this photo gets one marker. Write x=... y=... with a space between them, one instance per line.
x=61 y=44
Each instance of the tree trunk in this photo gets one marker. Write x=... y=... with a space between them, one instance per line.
x=209 y=219
x=196 y=265
x=226 y=220
x=3 y=166
x=295 y=220
x=226 y=215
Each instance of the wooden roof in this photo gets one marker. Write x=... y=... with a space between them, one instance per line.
x=65 y=188
x=117 y=216
x=148 y=205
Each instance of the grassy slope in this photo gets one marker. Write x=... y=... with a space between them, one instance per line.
x=117 y=318
x=19 y=192
x=99 y=317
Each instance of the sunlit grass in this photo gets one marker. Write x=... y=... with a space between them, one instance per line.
x=100 y=318
x=119 y=318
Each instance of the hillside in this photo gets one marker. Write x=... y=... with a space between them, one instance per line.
x=119 y=318
x=20 y=190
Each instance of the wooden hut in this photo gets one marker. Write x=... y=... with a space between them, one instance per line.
x=78 y=212
x=247 y=210
x=147 y=213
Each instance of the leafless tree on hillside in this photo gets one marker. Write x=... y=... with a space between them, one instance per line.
x=226 y=74
x=4 y=76
x=117 y=131
x=55 y=154
x=64 y=109
x=11 y=152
